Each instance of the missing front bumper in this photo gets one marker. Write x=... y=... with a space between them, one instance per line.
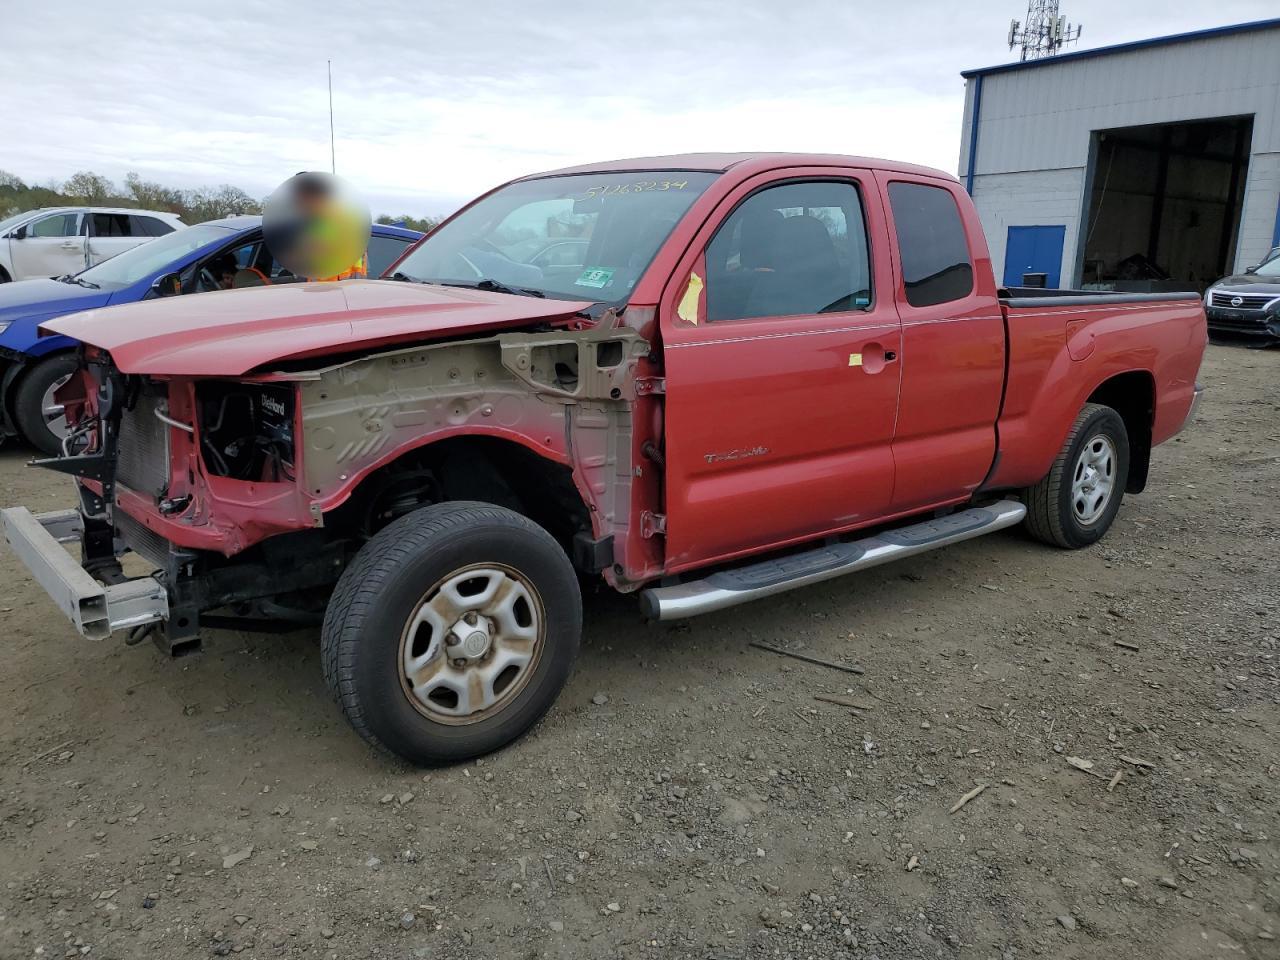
x=95 y=610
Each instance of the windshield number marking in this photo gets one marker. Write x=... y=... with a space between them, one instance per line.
x=639 y=186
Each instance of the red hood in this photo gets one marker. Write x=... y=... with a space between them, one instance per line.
x=231 y=332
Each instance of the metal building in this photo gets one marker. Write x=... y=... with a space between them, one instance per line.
x=1141 y=166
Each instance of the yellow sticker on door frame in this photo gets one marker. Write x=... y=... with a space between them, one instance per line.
x=688 y=307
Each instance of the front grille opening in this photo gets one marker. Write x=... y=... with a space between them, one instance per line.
x=246 y=430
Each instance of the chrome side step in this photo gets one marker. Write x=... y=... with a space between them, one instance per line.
x=729 y=588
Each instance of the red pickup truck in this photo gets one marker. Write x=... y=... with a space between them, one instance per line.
x=706 y=379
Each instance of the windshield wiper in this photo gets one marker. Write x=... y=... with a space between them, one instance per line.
x=493 y=286
x=405 y=277
x=68 y=278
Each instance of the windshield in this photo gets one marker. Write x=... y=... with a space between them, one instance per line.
x=580 y=237
x=1269 y=269
x=10 y=222
x=142 y=261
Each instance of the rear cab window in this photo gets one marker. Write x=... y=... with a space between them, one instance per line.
x=932 y=245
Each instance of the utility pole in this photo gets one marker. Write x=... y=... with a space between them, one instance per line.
x=333 y=156
x=1044 y=33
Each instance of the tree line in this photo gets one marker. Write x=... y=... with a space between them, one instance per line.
x=194 y=205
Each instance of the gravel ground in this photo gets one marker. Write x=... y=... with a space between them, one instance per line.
x=688 y=796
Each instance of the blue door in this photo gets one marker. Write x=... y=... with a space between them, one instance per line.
x=1033 y=250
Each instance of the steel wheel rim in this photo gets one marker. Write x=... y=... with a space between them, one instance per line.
x=1093 y=479
x=456 y=671
x=52 y=412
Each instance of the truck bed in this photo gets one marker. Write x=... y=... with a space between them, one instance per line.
x=1139 y=339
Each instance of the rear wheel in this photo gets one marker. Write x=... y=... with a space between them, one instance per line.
x=37 y=413
x=452 y=632
x=1075 y=504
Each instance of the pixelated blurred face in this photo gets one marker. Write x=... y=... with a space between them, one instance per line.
x=315 y=226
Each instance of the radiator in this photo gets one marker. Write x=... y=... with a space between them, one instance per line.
x=143 y=463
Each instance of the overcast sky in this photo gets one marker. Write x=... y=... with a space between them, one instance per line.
x=435 y=102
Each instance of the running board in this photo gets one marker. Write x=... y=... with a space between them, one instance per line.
x=728 y=588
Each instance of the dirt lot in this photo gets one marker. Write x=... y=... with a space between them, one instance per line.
x=688 y=796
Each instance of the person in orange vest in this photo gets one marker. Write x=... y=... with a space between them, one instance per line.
x=316 y=229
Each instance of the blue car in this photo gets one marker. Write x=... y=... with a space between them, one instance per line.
x=209 y=256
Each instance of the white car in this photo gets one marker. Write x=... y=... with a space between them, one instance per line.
x=60 y=240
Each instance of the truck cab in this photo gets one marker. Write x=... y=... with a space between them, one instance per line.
x=737 y=375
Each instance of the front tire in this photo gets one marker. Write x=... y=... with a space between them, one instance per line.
x=452 y=632
x=1075 y=504
x=36 y=413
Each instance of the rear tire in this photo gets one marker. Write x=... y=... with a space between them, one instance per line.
x=33 y=398
x=452 y=632
x=1076 y=502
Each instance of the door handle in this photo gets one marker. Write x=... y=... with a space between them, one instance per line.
x=69 y=245
x=873 y=358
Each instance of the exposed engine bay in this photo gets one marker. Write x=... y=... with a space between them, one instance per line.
x=247 y=430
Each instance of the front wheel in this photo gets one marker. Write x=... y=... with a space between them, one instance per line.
x=452 y=632
x=1074 y=505
x=36 y=410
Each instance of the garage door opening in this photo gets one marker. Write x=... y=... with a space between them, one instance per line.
x=1164 y=210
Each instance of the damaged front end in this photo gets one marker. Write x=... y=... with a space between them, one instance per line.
x=194 y=477
x=248 y=496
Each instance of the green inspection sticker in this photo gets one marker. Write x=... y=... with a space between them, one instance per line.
x=594 y=277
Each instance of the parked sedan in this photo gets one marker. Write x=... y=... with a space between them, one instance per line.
x=216 y=255
x=1248 y=304
x=59 y=240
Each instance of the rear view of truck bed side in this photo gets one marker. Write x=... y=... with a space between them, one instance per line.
x=1136 y=354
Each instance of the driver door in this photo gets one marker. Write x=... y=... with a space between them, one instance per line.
x=781 y=339
x=50 y=247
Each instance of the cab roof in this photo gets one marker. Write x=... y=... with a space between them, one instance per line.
x=743 y=163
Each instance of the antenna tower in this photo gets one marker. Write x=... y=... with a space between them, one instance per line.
x=1044 y=32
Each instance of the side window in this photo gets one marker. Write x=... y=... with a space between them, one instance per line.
x=382 y=253
x=59 y=225
x=228 y=268
x=148 y=226
x=111 y=225
x=931 y=244
x=797 y=249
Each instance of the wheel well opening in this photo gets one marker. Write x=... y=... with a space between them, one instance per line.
x=485 y=469
x=1133 y=396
